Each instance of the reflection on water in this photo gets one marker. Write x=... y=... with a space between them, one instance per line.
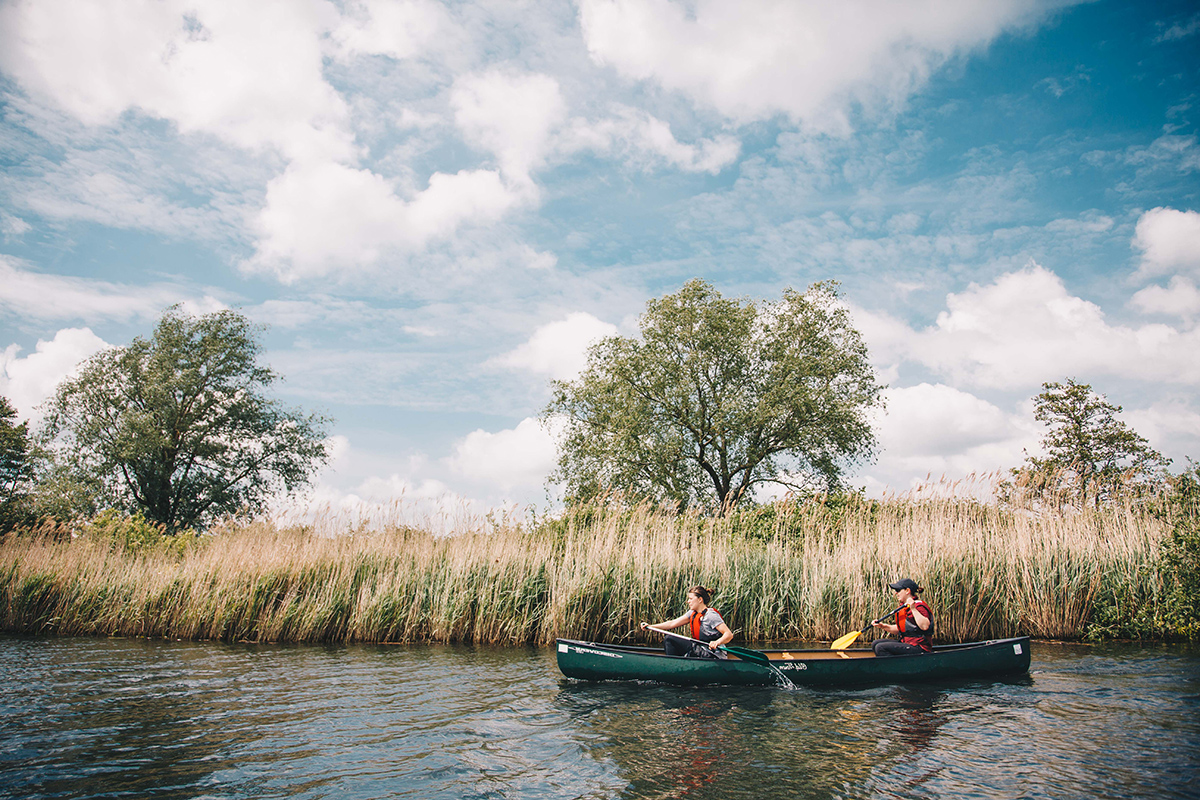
x=120 y=718
x=87 y=718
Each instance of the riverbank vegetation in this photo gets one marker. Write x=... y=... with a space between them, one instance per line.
x=789 y=570
x=150 y=449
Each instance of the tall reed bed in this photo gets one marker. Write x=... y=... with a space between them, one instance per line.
x=807 y=571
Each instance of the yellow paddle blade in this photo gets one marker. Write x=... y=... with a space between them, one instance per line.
x=843 y=642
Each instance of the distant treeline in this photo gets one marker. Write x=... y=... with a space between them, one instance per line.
x=791 y=570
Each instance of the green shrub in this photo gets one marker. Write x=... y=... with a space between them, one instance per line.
x=1127 y=607
x=135 y=534
x=1181 y=557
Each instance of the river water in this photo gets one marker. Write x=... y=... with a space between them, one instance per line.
x=90 y=718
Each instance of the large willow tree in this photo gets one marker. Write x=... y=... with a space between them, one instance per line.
x=717 y=397
x=180 y=427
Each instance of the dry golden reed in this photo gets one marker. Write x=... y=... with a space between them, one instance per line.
x=809 y=571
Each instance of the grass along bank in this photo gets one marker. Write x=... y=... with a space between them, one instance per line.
x=809 y=571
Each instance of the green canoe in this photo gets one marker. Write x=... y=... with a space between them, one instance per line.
x=607 y=662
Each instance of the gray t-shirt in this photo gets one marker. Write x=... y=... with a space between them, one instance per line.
x=708 y=625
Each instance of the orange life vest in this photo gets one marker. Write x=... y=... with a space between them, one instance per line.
x=695 y=622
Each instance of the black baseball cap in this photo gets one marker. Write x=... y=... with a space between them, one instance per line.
x=904 y=583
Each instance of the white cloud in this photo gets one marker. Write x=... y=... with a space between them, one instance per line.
x=394 y=487
x=810 y=61
x=212 y=68
x=1026 y=328
x=1180 y=298
x=936 y=430
x=1169 y=153
x=452 y=200
x=368 y=490
x=338 y=449
x=323 y=217
x=28 y=382
x=939 y=420
x=906 y=222
x=294 y=314
x=57 y=297
x=12 y=228
x=82 y=187
x=509 y=115
x=254 y=77
x=130 y=175
x=1169 y=241
x=1091 y=222
x=514 y=458
x=395 y=28
x=1172 y=426
x=538 y=260
x=638 y=134
x=559 y=349
x=379 y=503
x=202 y=64
x=373 y=489
x=1180 y=30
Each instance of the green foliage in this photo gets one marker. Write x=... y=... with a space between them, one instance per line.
x=65 y=495
x=815 y=517
x=178 y=426
x=134 y=534
x=16 y=469
x=1127 y=607
x=716 y=398
x=1092 y=457
x=1162 y=600
x=1181 y=557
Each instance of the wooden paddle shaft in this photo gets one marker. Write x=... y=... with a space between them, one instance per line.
x=681 y=636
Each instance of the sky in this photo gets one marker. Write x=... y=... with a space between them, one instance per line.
x=434 y=208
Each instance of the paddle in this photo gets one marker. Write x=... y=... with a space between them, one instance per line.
x=842 y=642
x=744 y=653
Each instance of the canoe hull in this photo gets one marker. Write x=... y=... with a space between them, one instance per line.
x=600 y=662
x=590 y=661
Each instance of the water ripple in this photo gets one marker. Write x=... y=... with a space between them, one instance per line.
x=123 y=718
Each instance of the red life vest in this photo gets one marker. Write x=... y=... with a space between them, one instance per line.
x=911 y=633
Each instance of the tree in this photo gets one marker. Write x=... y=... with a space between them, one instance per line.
x=178 y=425
x=717 y=397
x=16 y=468
x=1091 y=455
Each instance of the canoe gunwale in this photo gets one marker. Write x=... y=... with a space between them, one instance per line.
x=820 y=652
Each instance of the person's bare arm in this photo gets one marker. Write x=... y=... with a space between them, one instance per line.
x=726 y=636
x=919 y=618
x=668 y=626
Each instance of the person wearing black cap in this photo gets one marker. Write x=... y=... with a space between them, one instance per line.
x=914 y=623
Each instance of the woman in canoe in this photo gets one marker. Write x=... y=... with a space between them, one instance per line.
x=703 y=623
x=914 y=623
